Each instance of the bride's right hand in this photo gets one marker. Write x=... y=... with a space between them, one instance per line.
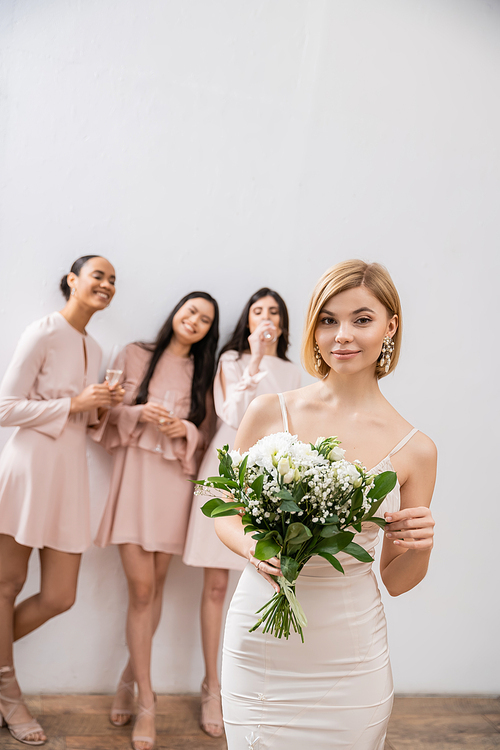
x=267 y=568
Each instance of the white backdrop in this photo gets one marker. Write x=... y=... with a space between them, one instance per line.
x=228 y=144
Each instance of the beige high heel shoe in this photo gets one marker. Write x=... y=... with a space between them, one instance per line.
x=18 y=731
x=212 y=727
x=122 y=687
x=144 y=711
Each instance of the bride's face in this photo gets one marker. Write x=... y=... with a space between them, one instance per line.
x=351 y=329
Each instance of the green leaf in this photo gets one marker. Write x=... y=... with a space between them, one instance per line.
x=336 y=543
x=299 y=493
x=222 y=509
x=297 y=534
x=328 y=531
x=289 y=568
x=332 y=560
x=373 y=509
x=379 y=521
x=210 y=505
x=226 y=465
x=266 y=548
x=355 y=550
x=257 y=485
x=332 y=519
x=357 y=526
x=243 y=468
x=289 y=505
x=383 y=484
x=249 y=528
x=284 y=495
x=223 y=482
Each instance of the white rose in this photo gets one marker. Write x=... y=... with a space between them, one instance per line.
x=336 y=453
x=283 y=466
x=236 y=458
x=289 y=477
x=354 y=476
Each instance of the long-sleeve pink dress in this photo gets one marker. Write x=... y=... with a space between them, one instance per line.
x=44 y=488
x=203 y=547
x=150 y=494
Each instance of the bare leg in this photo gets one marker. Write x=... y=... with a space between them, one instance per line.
x=124 y=700
x=141 y=571
x=59 y=578
x=212 y=604
x=14 y=559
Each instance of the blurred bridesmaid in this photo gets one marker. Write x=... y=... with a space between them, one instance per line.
x=50 y=392
x=253 y=362
x=157 y=438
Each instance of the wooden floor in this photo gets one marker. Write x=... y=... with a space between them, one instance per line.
x=80 y=722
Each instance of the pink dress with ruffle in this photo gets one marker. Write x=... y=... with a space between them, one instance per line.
x=150 y=494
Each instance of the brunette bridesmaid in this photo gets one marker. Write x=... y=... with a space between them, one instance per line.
x=157 y=437
x=252 y=363
x=50 y=392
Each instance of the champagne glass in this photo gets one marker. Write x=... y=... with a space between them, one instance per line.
x=168 y=403
x=270 y=337
x=113 y=374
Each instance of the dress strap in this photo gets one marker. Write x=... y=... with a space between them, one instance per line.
x=403 y=442
x=283 y=412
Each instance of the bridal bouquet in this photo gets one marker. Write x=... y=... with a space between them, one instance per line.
x=297 y=500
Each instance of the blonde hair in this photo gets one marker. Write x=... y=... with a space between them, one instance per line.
x=348 y=275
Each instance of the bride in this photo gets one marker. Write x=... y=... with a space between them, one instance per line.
x=335 y=690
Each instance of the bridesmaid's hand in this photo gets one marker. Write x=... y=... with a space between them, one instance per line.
x=267 y=568
x=153 y=412
x=117 y=394
x=256 y=341
x=172 y=427
x=94 y=396
x=411 y=528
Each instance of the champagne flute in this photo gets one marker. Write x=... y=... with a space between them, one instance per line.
x=113 y=374
x=270 y=337
x=168 y=403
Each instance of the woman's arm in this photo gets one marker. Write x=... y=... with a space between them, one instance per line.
x=408 y=537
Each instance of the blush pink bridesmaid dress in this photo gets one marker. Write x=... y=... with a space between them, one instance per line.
x=44 y=489
x=150 y=493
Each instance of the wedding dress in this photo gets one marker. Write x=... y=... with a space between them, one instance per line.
x=333 y=691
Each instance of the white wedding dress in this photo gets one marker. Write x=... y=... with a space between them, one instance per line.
x=333 y=691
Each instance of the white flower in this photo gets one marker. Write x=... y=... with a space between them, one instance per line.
x=289 y=477
x=336 y=453
x=283 y=466
x=236 y=458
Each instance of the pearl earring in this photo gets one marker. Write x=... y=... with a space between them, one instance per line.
x=73 y=291
x=386 y=354
x=317 y=357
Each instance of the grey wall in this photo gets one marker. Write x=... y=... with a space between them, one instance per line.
x=230 y=144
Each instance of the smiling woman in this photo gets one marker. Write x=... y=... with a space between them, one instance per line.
x=334 y=690
x=157 y=438
x=51 y=393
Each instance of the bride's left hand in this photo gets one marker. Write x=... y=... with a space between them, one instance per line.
x=411 y=528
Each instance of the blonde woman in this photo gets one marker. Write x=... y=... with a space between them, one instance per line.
x=336 y=689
